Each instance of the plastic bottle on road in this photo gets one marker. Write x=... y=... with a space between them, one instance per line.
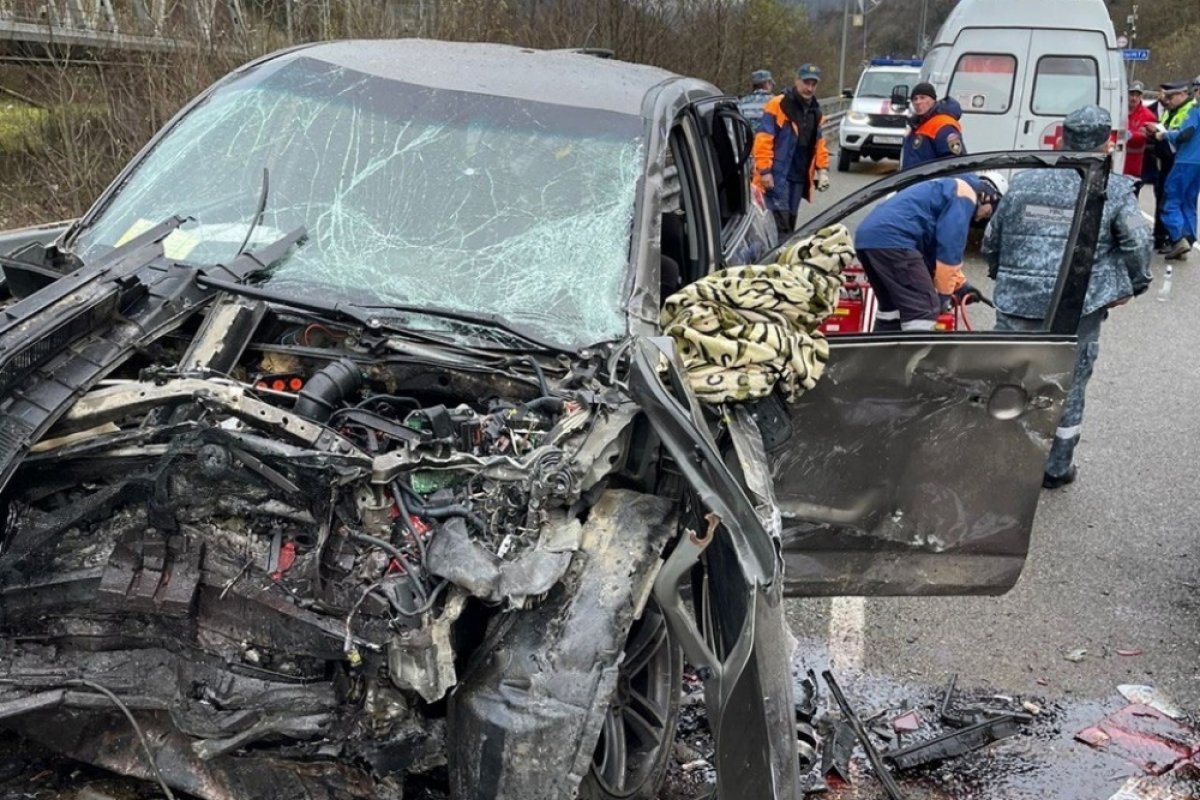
x=1164 y=291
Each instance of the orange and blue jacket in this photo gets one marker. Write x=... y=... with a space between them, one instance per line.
x=774 y=145
x=939 y=136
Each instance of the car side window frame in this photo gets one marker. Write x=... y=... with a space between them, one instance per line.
x=696 y=200
x=728 y=139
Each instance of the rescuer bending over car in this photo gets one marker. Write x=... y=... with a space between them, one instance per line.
x=911 y=246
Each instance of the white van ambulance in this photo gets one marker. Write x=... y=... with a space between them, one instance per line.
x=1018 y=67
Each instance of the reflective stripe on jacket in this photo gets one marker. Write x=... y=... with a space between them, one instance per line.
x=774 y=145
x=940 y=136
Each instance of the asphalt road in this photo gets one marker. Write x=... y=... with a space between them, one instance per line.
x=1115 y=566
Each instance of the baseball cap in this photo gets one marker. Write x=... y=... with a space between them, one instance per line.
x=809 y=72
x=1086 y=128
x=1137 y=87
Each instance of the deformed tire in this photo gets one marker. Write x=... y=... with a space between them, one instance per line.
x=638 y=734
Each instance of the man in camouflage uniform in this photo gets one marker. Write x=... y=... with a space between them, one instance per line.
x=762 y=90
x=1024 y=246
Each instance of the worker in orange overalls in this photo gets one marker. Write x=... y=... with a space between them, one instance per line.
x=935 y=130
x=790 y=157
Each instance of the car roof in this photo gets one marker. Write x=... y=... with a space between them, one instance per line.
x=559 y=77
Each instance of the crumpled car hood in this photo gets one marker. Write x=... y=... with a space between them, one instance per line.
x=293 y=550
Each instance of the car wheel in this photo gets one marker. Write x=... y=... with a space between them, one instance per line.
x=638 y=734
x=844 y=160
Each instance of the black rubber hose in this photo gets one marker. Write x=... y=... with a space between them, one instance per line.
x=404 y=518
x=541 y=376
x=327 y=389
x=455 y=510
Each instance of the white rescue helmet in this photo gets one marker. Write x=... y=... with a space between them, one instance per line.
x=995 y=186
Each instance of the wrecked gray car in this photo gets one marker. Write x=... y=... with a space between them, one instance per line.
x=339 y=450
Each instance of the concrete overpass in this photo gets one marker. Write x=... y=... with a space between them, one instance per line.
x=116 y=24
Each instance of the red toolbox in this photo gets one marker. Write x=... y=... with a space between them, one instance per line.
x=853 y=300
x=855 y=311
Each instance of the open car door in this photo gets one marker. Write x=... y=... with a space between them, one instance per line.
x=914 y=466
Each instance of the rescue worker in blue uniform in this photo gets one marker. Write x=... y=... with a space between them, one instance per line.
x=935 y=128
x=762 y=89
x=911 y=246
x=790 y=156
x=1024 y=247
x=1183 y=184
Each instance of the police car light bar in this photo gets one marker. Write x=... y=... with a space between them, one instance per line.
x=896 y=62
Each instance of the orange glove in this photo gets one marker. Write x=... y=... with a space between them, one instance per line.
x=947 y=278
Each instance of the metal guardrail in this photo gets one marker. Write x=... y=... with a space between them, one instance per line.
x=834 y=109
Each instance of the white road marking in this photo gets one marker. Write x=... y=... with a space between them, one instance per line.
x=1150 y=218
x=1128 y=790
x=847 y=618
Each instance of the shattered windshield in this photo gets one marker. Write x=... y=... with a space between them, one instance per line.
x=411 y=195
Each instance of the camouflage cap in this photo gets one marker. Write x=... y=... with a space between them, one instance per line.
x=761 y=76
x=1086 y=128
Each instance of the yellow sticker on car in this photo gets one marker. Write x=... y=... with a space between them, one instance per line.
x=176 y=246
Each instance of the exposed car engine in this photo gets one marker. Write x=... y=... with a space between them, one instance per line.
x=290 y=546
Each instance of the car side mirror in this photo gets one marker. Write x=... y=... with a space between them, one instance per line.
x=900 y=95
x=848 y=94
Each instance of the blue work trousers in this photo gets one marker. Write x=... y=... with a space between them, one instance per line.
x=1066 y=437
x=1179 y=208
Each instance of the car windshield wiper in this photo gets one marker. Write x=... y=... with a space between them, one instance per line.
x=479 y=318
x=340 y=311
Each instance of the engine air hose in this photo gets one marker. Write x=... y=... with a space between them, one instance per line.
x=327 y=389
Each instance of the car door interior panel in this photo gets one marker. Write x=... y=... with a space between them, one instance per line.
x=915 y=465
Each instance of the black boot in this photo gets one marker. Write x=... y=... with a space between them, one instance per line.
x=1058 y=481
x=1178 y=251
